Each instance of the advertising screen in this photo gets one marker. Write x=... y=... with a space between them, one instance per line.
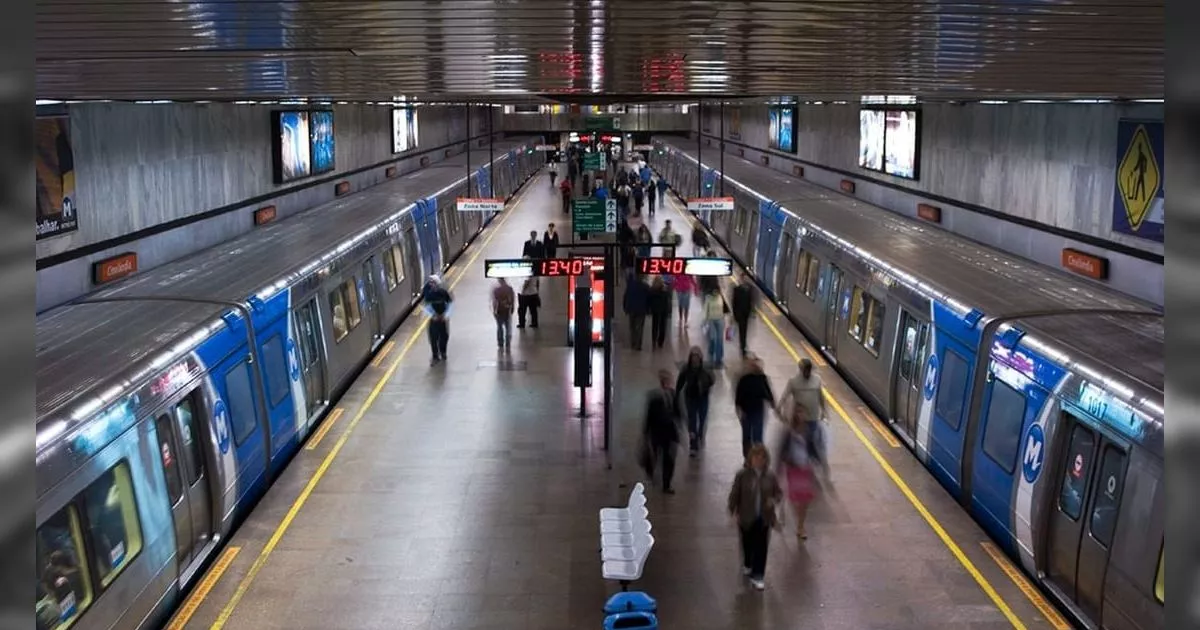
x=900 y=157
x=321 y=128
x=787 y=130
x=870 y=139
x=55 y=165
x=773 y=129
x=404 y=129
x=293 y=146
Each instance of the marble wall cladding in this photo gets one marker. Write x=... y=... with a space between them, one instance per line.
x=142 y=166
x=1049 y=163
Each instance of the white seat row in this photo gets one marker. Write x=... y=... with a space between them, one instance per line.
x=625 y=539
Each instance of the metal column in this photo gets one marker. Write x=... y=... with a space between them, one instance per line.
x=610 y=372
x=722 y=158
x=699 y=149
x=468 y=149
x=491 y=151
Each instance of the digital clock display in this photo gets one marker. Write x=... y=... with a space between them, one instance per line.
x=659 y=265
x=552 y=267
x=561 y=266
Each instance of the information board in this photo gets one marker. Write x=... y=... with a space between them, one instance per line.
x=590 y=215
x=595 y=161
x=700 y=204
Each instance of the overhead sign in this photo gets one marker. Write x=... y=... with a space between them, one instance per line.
x=595 y=161
x=547 y=147
x=593 y=123
x=590 y=215
x=662 y=265
x=700 y=204
x=508 y=268
x=1139 y=197
x=466 y=204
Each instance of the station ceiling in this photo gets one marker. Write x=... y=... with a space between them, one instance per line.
x=625 y=50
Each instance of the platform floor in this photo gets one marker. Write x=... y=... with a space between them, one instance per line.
x=464 y=495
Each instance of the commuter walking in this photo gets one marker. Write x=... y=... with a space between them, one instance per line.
x=503 y=300
x=637 y=298
x=662 y=191
x=693 y=387
x=699 y=241
x=528 y=301
x=684 y=286
x=661 y=432
x=533 y=248
x=651 y=197
x=752 y=398
x=644 y=238
x=668 y=235
x=438 y=301
x=797 y=465
x=742 y=303
x=660 y=312
x=550 y=241
x=639 y=197
x=753 y=503
x=805 y=390
x=714 y=327
x=564 y=189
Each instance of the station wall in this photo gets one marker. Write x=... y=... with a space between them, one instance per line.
x=1027 y=178
x=166 y=180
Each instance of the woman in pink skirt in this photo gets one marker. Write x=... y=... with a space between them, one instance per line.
x=801 y=484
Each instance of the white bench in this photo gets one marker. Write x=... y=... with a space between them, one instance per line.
x=625 y=539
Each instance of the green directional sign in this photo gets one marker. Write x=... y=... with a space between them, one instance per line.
x=591 y=215
x=596 y=161
x=601 y=123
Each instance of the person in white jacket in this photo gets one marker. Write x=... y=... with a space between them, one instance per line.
x=806 y=390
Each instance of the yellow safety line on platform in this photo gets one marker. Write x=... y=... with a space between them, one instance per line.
x=1026 y=587
x=325 y=427
x=387 y=348
x=912 y=498
x=185 y=612
x=883 y=431
x=261 y=560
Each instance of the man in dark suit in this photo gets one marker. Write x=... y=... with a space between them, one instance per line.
x=533 y=247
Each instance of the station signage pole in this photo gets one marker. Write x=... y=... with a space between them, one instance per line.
x=468 y=105
x=700 y=148
x=491 y=148
x=721 y=190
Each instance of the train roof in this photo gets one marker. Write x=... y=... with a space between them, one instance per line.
x=994 y=282
x=81 y=346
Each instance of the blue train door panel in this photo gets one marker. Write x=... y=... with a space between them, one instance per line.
x=1010 y=405
x=767 y=249
x=947 y=384
x=427 y=229
x=272 y=352
x=236 y=412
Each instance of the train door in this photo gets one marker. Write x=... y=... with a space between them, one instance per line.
x=913 y=345
x=370 y=272
x=787 y=271
x=312 y=364
x=1084 y=517
x=832 y=301
x=179 y=442
x=946 y=383
x=1008 y=408
x=164 y=428
x=412 y=255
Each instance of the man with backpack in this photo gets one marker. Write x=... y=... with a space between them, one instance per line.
x=437 y=305
x=503 y=300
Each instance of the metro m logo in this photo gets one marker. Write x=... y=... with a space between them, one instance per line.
x=1035 y=444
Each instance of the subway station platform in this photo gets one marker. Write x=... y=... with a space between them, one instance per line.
x=465 y=495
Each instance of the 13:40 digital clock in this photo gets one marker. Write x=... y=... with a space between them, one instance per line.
x=560 y=266
x=662 y=266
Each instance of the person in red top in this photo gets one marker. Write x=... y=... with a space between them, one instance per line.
x=684 y=286
x=565 y=188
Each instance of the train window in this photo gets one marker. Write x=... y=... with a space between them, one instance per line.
x=398 y=256
x=739 y=222
x=275 y=365
x=1108 y=495
x=1076 y=472
x=350 y=293
x=1002 y=433
x=63 y=588
x=111 y=515
x=241 y=402
x=1160 y=589
x=952 y=390
x=875 y=315
x=162 y=426
x=389 y=270
x=800 y=273
x=858 y=315
x=814 y=277
x=189 y=439
x=337 y=306
x=908 y=352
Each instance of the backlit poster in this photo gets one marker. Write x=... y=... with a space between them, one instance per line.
x=900 y=141
x=55 y=165
x=787 y=130
x=399 y=131
x=414 y=136
x=293 y=146
x=323 y=150
x=773 y=128
x=870 y=139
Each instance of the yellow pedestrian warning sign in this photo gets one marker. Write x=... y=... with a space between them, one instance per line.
x=1138 y=178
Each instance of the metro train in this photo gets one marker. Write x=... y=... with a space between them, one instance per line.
x=168 y=403
x=1034 y=397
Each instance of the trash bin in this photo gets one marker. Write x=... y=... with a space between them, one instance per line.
x=627 y=620
x=630 y=601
